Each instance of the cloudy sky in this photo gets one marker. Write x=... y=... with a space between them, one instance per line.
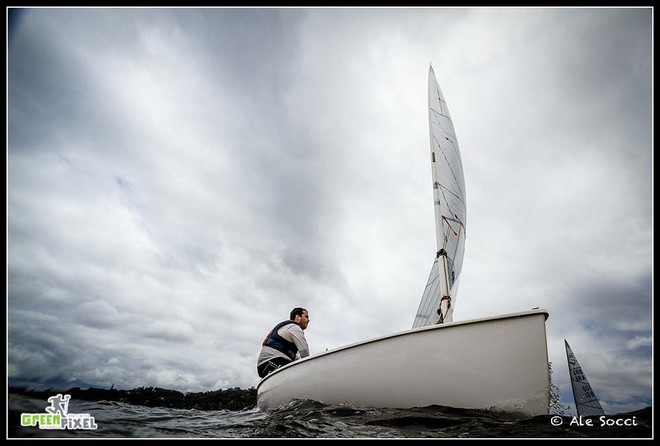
x=180 y=179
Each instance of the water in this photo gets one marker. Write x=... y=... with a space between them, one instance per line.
x=310 y=419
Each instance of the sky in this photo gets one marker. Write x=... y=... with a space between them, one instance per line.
x=180 y=178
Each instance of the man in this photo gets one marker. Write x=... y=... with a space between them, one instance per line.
x=285 y=343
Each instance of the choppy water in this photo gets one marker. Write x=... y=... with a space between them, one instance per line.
x=309 y=419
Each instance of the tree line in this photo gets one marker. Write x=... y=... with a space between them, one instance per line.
x=229 y=399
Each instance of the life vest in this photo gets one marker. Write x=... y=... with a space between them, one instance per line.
x=274 y=340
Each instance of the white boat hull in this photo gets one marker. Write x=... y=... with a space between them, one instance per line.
x=498 y=363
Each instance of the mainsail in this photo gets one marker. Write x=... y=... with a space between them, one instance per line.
x=439 y=294
x=586 y=402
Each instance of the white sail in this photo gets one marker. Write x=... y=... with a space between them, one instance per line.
x=586 y=402
x=441 y=288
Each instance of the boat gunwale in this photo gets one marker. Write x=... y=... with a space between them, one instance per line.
x=403 y=333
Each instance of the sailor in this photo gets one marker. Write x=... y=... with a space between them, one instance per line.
x=285 y=343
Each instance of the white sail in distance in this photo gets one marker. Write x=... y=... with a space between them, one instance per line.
x=586 y=402
x=439 y=295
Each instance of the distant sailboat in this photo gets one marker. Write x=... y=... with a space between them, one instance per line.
x=586 y=402
x=498 y=362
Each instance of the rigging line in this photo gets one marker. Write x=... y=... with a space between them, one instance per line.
x=460 y=223
x=450 y=226
x=459 y=194
x=458 y=197
x=456 y=220
x=449 y=135
x=441 y=100
x=453 y=174
x=455 y=247
x=454 y=254
x=437 y=121
x=431 y=281
x=445 y=235
x=457 y=234
x=439 y=203
x=454 y=144
x=443 y=192
x=439 y=113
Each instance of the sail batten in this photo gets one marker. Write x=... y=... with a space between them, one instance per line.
x=439 y=295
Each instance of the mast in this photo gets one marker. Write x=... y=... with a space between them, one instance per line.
x=586 y=401
x=439 y=295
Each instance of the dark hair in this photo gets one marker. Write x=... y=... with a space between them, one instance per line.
x=298 y=311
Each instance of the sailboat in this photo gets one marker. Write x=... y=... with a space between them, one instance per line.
x=497 y=363
x=586 y=401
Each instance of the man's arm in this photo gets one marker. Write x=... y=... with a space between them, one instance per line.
x=296 y=335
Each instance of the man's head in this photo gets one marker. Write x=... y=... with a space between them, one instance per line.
x=300 y=317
